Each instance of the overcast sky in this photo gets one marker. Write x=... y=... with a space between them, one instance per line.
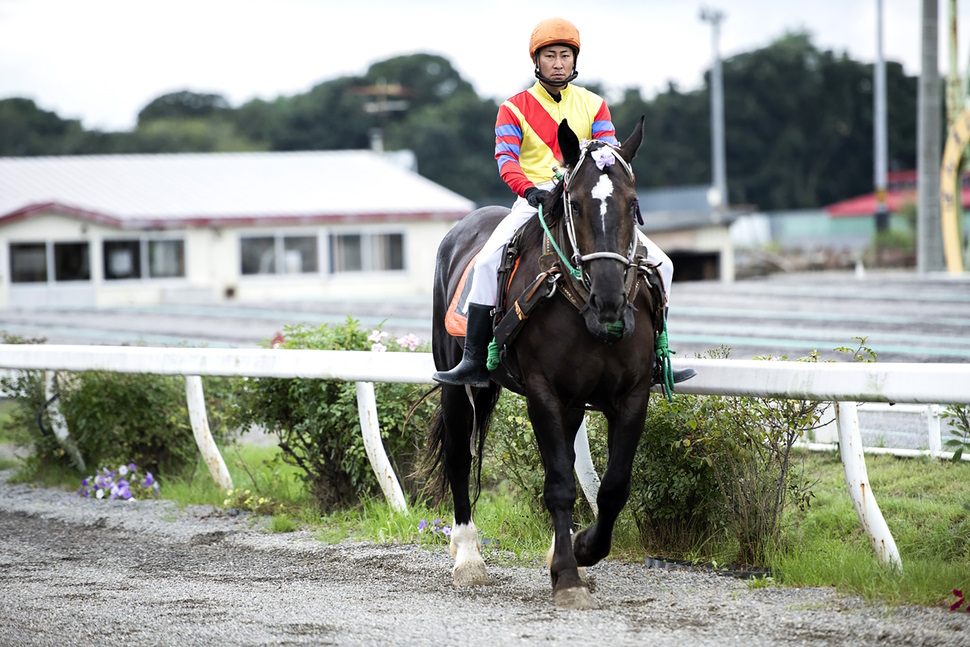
x=101 y=61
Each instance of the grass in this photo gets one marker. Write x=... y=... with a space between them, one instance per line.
x=925 y=502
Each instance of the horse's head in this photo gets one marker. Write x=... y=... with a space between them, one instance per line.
x=601 y=201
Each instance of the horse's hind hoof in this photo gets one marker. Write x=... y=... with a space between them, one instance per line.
x=577 y=598
x=471 y=574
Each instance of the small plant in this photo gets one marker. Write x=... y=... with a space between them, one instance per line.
x=960 y=601
x=861 y=353
x=242 y=499
x=123 y=483
x=959 y=418
x=436 y=532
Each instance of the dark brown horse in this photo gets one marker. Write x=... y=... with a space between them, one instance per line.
x=567 y=362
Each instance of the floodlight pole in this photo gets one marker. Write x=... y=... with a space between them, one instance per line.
x=714 y=17
x=879 y=111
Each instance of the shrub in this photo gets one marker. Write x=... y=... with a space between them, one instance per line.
x=116 y=418
x=748 y=444
x=112 y=418
x=317 y=421
x=673 y=496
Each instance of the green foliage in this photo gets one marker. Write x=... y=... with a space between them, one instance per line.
x=183 y=104
x=673 y=495
x=748 y=443
x=511 y=452
x=318 y=425
x=112 y=418
x=959 y=418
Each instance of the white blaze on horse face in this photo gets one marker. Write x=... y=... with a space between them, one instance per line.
x=603 y=190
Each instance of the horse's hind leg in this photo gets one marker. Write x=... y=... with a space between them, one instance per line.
x=460 y=418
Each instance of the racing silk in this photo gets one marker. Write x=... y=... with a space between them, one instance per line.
x=526 y=146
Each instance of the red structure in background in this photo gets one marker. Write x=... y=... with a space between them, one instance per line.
x=900 y=190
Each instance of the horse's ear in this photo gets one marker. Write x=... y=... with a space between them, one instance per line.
x=568 y=144
x=629 y=148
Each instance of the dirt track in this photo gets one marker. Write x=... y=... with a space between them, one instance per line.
x=79 y=572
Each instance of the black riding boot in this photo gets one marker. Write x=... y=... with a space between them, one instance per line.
x=478 y=335
x=683 y=374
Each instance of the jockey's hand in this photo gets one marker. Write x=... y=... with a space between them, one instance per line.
x=535 y=195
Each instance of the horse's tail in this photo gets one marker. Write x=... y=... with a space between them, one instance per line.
x=433 y=468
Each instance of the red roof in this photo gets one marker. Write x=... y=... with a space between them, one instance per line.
x=901 y=191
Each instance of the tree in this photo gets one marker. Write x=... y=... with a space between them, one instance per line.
x=183 y=105
x=25 y=129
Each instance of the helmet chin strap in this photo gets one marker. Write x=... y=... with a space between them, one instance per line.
x=556 y=84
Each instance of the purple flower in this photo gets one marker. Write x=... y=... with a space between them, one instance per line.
x=149 y=480
x=446 y=531
x=422 y=525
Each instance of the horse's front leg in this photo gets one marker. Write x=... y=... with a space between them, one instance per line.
x=555 y=429
x=625 y=428
x=457 y=414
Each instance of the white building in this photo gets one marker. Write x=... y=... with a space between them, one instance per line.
x=147 y=229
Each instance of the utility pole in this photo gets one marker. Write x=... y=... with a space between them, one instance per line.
x=929 y=235
x=720 y=201
x=879 y=111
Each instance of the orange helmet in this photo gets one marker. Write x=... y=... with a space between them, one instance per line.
x=553 y=30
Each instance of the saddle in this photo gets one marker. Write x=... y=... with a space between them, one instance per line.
x=511 y=315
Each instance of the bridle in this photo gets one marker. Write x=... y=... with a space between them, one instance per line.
x=578 y=258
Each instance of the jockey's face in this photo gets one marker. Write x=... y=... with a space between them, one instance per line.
x=556 y=62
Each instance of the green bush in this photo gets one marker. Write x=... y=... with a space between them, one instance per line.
x=112 y=418
x=674 y=496
x=120 y=418
x=318 y=425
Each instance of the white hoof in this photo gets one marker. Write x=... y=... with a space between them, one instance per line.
x=471 y=574
x=575 y=599
x=467 y=550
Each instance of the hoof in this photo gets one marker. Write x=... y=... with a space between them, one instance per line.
x=471 y=574
x=577 y=599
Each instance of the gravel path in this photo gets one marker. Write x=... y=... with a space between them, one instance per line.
x=79 y=572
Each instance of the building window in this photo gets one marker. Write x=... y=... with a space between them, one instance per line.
x=72 y=262
x=366 y=252
x=279 y=255
x=126 y=259
x=166 y=259
x=122 y=259
x=300 y=254
x=28 y=263
x=345 y=253
x=258 y=255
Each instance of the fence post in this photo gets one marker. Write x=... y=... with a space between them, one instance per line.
x=58 y=424
x=934 y=430
x=203 y=436
x=857 y=480
x=371 y=431
x=585 y=471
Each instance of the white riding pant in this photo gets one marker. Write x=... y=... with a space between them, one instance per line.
x=484 y=287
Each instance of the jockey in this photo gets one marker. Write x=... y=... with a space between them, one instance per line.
x=525 y=149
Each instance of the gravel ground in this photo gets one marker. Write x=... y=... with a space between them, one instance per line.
x=78 y=572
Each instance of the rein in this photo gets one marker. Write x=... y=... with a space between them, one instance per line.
x=578 y=257
x=565 y=261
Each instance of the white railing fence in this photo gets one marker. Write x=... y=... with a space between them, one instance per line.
x=843 y=384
